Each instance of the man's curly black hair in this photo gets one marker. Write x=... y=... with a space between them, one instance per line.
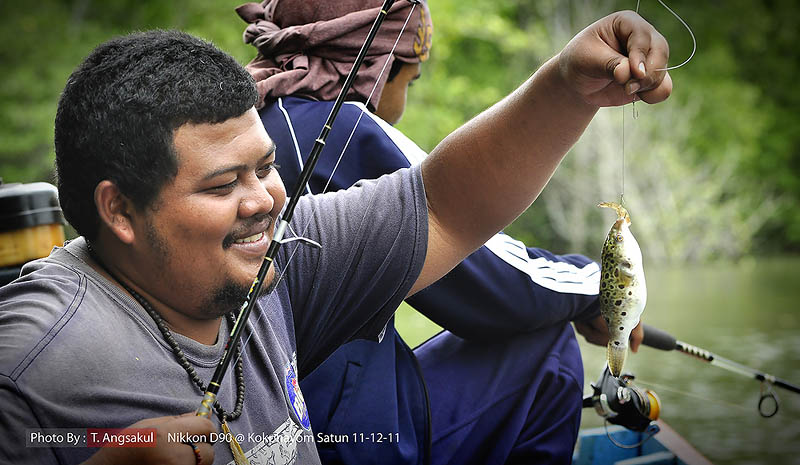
x=120 y=108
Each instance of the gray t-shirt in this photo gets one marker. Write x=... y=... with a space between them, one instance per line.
x=78 y=352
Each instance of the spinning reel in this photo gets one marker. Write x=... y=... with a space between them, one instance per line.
x=623 y=403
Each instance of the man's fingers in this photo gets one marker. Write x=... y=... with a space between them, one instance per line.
x=204 y=454
x=658 y=53
x=592 y=334
x=648 y=53
x=622 y=71
x=186 y=423
x=637 y=335
x=636 y=62
x=660 y=93
x=191 y=424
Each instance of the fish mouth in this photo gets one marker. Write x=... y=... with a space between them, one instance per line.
x=622 y=213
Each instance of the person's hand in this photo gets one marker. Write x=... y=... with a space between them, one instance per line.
x=595 y=331
x=617 y=60
x=165 y=452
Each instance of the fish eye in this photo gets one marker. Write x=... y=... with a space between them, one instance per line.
x=619 y=237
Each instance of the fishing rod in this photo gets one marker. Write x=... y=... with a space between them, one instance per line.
x=659 y=339
x=277 y=239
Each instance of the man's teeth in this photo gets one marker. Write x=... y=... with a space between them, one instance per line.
x=252 y=238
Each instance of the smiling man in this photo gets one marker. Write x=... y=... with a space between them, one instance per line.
x=198 y=211
x=174 y=190
x=166 y=171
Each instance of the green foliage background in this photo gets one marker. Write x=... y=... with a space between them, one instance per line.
x=712 y=174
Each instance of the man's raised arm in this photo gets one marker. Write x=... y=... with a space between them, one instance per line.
x=486 y=173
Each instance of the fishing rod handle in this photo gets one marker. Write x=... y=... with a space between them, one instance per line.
x=206 y=405
x=658 y=339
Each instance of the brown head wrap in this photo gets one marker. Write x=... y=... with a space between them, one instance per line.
x=307 y=47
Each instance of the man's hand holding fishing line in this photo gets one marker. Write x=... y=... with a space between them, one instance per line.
x=486 y=173
x=617 y=60
x=637 y=76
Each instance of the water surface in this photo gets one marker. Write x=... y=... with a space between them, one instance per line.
x=747 y=313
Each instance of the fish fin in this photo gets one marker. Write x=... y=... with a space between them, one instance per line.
x=625 y=274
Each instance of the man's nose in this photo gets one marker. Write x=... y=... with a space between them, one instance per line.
x=257 y=199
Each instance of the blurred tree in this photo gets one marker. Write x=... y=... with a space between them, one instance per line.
x=749 y=58
x=43 y=44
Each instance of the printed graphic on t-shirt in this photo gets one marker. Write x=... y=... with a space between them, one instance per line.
x=295 y=396
x=278 y=447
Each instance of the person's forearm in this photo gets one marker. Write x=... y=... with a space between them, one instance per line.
x=502 y=289
x=485 y=174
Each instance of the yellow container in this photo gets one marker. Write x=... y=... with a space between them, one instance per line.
x=31 y=222
x=18 y=247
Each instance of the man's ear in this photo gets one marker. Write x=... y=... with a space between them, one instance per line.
x=115 y=210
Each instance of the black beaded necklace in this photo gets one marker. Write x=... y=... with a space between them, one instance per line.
x=178 y=352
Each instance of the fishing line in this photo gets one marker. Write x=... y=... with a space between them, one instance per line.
x=661 y=387
x=622 y=194
x=281 y=273
x=644 y=439
x=634 y=111
x=374 y=87
x=694 y=40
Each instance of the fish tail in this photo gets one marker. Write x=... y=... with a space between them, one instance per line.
x=615 y=354
x=622 y=213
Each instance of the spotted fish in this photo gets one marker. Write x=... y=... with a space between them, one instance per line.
x=623 y=292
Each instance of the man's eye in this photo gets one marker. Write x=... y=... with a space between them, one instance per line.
x=266 y=169
x=225 y=187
